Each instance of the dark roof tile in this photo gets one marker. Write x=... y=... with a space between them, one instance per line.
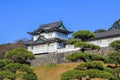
x=106 y=34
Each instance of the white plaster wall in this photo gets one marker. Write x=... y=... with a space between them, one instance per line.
x=29 y=48
x=43 y=48
x=53 y=47
x=49 y=35
x=35 y=37
x=52 y=35
x=69 y=46
x=61 y=35
x=40 y=49
x=104 y=42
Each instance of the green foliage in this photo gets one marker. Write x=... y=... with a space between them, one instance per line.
x=72 y=41
x=114 y=78
x=82 y=44
x=13 y=67
x=84 y=57
x=72 y=74
x=51 y=65
x=110 y=70
x=115 y=56
x=92 y=46
x=115 y=26
x=86 y=46
x=108 y=60
x=30 y=77
x=20 y=55
x=2 y=64
x=98 y=74
x=78 y=74
x=77 y=56
x=100 y=30
x=25 y=68
x=83 y=34
x=117 y=70
x=6 y=74
x=97 y=57
x=115 y=44
x=90 y=65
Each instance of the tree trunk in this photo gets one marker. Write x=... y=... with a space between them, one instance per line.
x=80 y=78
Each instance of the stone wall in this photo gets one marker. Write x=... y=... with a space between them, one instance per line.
x=54 y=58
x=50 y=58
x=102 y=51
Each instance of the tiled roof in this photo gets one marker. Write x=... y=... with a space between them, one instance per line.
x=50 y=25
x=106 y=34
x=54 y=26
x=44 y=41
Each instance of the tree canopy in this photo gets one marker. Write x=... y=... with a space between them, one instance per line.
x=83 y=34
x=100 y=30
x=20 y=55
x=115 y=25
x=91 y=70
x=86 y=46
x=115 y=44
x=15 y=67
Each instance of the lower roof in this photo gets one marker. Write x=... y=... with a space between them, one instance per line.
x=107 y=34
x=39 y=41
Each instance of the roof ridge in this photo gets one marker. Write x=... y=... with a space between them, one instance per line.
x=51 y=23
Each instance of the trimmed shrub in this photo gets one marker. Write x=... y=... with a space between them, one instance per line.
x=30 y=77
x=98 y=74
x=78 y=56
x=115 y=44
x=107 y=69
x=73 y=74
x=72 y=41
x=90 y=65
x=97 y=57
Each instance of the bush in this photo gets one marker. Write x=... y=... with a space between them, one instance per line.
x=84 y=57
x=2 y=64
x=115 y=44
x=86 y=46
x=98 y=74
x=30 y=77
x=90 y=65
x=78 y=56
x=97 y=57
x=115 y=56
x=72 y=74
x=6 y=74
x=13 y=67
x=72 y=41
x=83 y=34
x=20 y=55
x=26 y=68
x=107 y=69
x=108 y=60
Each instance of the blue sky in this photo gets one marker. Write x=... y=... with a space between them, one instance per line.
x=17 y=17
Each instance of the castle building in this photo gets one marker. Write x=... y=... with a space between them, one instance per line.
x=52 y=37
x=103 y=39
x=48 y=38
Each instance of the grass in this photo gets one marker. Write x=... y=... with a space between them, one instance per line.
x=54 y=71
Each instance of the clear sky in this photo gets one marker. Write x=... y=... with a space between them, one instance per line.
x=17 y=17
